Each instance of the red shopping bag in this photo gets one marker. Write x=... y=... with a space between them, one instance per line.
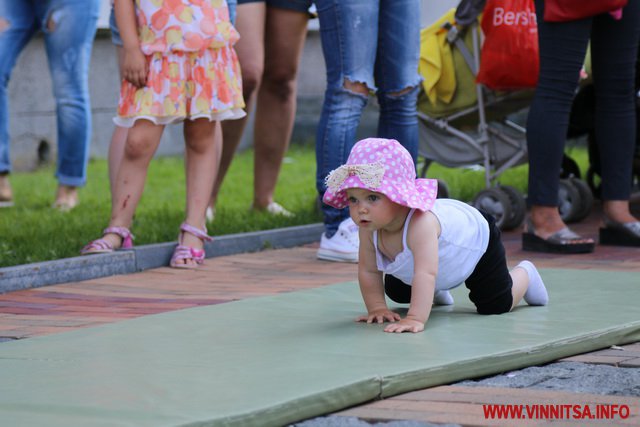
x=569 y=10
x=509 y=56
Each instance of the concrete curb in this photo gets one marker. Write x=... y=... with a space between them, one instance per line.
x=146 y=257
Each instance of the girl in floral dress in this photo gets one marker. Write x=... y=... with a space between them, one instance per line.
x=179 y=65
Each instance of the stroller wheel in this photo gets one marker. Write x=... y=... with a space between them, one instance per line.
x=592 y=177
x=518 y=207
x=586 y=199
x=494 y=202
x=569 y=168
x=568 y=201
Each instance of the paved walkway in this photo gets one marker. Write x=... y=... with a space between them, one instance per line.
x=59 y=308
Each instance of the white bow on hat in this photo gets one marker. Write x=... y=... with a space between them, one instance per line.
x=370 y=174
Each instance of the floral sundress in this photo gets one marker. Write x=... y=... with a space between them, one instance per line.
x=193 y=69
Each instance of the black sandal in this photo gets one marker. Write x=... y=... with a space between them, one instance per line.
x=563 y=241
x=620 y=234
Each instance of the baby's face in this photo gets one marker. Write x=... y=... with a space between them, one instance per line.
x=371 y=210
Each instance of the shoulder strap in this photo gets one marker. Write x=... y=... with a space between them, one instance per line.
x=406 y=227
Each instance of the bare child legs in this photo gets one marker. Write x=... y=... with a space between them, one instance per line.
x=118 y=138
x=142 y=140
x=116 y=152
x=202 y=151
x=141 y=144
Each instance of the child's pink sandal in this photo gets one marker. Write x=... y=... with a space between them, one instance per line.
x=183 y=252
x=101 y=246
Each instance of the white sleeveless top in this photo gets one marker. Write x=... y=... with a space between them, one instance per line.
x=464 y=236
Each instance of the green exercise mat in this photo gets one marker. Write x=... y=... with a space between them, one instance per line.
x=274 y=360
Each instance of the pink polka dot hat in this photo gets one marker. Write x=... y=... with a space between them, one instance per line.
x=383 y=166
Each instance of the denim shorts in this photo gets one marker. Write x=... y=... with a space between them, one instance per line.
x=297 y=5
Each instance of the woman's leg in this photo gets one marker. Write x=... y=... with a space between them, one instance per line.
x=349 y=34
x=69 y=28
x=201 y=164
x=17 y=26
x=562 y=51
x=276 y=103
x=614 y=48
x=397 y=72
x=250 y=23
x=142 y=141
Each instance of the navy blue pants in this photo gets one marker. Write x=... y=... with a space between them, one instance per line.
x=614 y=50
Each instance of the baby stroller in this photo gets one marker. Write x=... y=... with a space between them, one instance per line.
x=472 y=125
x=469 y=125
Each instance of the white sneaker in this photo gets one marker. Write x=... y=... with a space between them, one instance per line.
x=343 y=246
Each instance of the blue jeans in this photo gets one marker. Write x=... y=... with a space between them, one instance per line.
x=614 y=50
x=69 y=27
x=375 y=42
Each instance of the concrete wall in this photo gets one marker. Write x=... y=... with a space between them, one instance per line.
x=32 y=110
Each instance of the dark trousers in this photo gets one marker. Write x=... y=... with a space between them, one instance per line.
x=614 y=49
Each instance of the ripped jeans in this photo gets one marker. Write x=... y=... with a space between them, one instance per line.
x=69 y=27
x=377 y=43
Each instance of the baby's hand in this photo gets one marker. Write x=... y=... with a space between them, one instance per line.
x=405 y=325
x=134 y=67
x=379 y=316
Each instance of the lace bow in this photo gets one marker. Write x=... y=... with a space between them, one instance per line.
x=370 y=174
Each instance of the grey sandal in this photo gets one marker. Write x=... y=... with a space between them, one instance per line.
x=563 y=241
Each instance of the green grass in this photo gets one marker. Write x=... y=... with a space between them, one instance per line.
x=32 y=231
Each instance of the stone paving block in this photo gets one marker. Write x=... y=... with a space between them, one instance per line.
x=463 y=405
x=596 y=359
x=621 y=352
x=631 y=363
